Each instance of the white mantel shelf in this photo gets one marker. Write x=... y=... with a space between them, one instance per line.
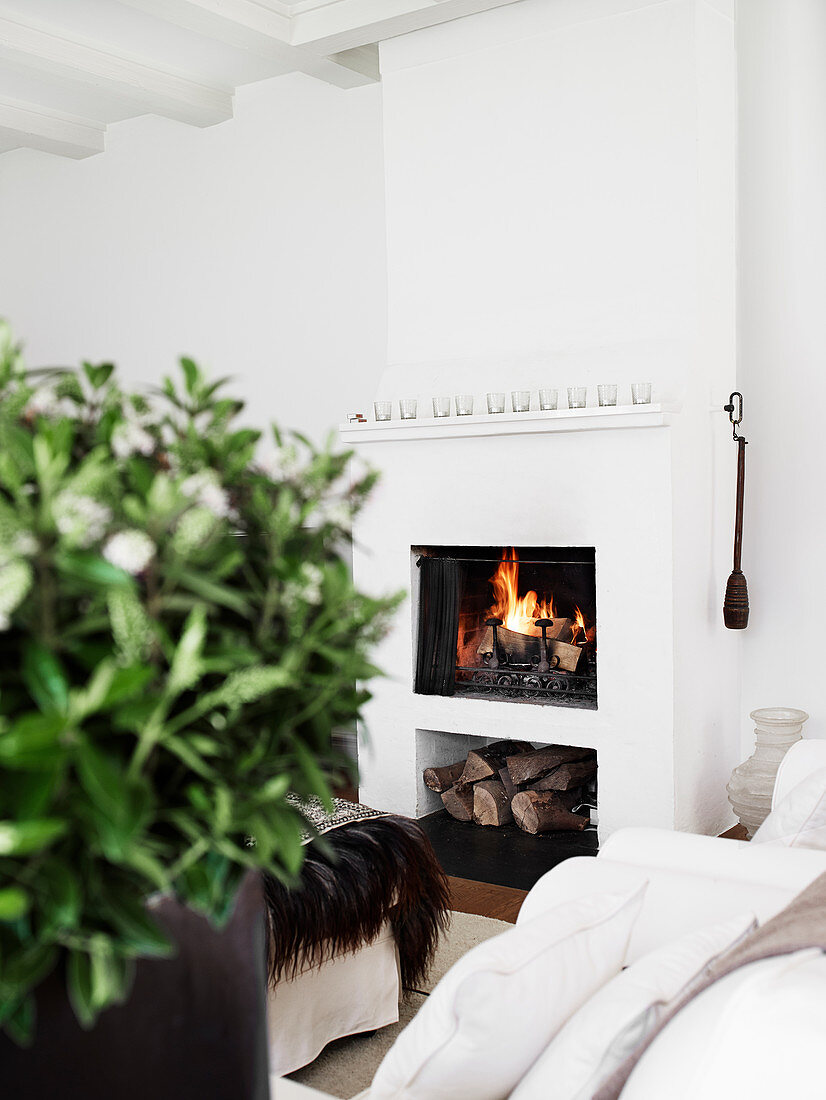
x=463 y=427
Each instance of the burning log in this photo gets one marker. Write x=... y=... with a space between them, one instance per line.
x=567 y=776
x=544 y=812
x=458 y=801
x=491 y=805
x=568 y=656
x=527 y=767
x=485 y=763
x=521 y=647
x=442 y=779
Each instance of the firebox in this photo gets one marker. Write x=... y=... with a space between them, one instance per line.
x=515 y=624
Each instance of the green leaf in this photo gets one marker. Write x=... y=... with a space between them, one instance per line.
x=43 y=675
x=79 y=987
x=86 y=566
x=274 y=789
x=139 y=932
x=19 y=1022
x=215 y=593
x=192 y=375
x=65 y=897
x=187 y=754
x=33 y=742
x=316 y=779
x=186 y=663
x=21 y=838
x=105 y=783
x=98 y=374
x=14 y=903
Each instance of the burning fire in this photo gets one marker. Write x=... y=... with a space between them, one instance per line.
x=579 y=627
x=517 y=612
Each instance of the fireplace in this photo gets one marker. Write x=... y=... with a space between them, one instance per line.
x=512 y=624
x=448 y=490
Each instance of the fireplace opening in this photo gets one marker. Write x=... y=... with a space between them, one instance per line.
x=505 y=811
x=515 y=624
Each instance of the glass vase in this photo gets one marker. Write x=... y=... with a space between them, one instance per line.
x=751 y=785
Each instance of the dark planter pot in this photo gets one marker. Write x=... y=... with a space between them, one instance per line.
x=194 y=1027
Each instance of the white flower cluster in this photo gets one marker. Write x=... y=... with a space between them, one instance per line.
x=17 y=544
x=335 y=512
x=45 y=402
x=194 y=528
x=15 y=582
x=283 y=463
x=306 y=589
x=81 y=520
x=130 y=550
x=205 y=487
x=130 y=438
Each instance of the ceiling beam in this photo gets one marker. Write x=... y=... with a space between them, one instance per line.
x=330 y=28
x=260 y=30
x=243 y=24
x=34 y=127
x=157 y=91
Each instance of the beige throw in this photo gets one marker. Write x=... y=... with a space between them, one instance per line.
x=800 y=925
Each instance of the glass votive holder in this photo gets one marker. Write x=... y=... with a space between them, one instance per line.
x=521 y=401
x=496 y=402
x=577 y=396
x=407 y=408
x=607 y=395
x=383 y=410
x=548 y=400
x=464 y=404
x=441 y=406
x=641 y=393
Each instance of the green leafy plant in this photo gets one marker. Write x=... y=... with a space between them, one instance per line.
x=179 y=637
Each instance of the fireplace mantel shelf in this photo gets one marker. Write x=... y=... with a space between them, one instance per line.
x=458 y=427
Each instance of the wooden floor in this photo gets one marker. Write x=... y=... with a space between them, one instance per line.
x=486 y=900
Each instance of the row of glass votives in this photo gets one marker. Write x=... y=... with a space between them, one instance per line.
x=520 y=401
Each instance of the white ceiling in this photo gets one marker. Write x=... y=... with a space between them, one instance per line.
x=68 y=68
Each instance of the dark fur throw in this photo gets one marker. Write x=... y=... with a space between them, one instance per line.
x=381 y=869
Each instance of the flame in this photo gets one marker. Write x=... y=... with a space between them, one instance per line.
x=579 y=625
x=517 y=612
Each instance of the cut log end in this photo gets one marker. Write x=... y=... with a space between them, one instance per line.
x=544 y=812
x=491 y=805
x=484 y=763
x=458 y=801
x=442 y=779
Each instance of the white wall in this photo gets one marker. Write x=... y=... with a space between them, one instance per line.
x=560 y=209
x=256 y=246
x=782 y=346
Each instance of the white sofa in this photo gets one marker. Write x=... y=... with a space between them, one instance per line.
x=693 y=880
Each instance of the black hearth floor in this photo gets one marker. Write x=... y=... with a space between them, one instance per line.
x=504 y=856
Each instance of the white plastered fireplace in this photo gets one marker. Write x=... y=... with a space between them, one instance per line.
x=442 y=484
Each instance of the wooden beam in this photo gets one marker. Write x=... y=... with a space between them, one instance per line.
x=34 y=127
x=156 y=90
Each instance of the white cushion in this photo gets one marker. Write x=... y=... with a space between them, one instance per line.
x=799 y=820
x=613 y=1023
x=803 y=758
x=757 y=1033
x=497 y=1009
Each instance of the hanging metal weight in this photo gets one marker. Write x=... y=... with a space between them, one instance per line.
x=736 y=601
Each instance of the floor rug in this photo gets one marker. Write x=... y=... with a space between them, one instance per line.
x=346 y=1067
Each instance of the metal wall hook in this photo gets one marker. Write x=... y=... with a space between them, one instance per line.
x=735 y=404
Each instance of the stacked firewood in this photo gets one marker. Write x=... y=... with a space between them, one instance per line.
x=512 y=781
